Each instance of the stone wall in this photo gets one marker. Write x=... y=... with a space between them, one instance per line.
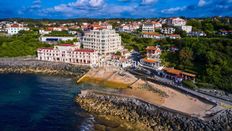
x=34 y=66
x=154 y=117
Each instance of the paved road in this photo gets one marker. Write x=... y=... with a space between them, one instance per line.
x=179 y=87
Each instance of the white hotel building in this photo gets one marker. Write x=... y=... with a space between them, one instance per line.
x=104 y=41
x=69 y=53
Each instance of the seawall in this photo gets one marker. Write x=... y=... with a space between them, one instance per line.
x=154 y=117
x=20 y=65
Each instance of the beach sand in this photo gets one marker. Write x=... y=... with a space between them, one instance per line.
x=132 y=86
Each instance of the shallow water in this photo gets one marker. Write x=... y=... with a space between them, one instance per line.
x=40 y=102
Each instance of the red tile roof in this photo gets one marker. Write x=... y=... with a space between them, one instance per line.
x=66 y=45
x=149 y=60
x=151 y=48
x=172 y=71
x=151 y=33
x=84 y=50
x=14 y=25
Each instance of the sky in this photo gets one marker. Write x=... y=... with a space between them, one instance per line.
x=64 y=9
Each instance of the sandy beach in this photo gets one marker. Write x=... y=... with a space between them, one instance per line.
x=132 y=86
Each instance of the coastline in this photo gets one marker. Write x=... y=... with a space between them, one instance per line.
x=20 y=65
x=126 y=108
x=154 y=117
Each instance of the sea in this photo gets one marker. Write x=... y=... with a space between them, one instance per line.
x=32 y=102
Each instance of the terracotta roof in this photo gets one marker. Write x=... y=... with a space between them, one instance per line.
x=151 y=33
x=155 y=22
x=178 y=72
x=151 y=48
x=172 y=71
x=65 y=45
x=188 y=74
x=174 y=35
x=149 y=60
x=84 y=50
x=14 y=25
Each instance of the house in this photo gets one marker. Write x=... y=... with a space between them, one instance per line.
x=176 y=22
x=152 y=35
x=225 y=32
x=68 y=53
x=157 y=25
x=128 y=27
x=168 y=30
x=148 y=27
x=45 y=31
x=186 y=28
x=14 y=28
x=173 y=36
x=153 y=52
x=178 y=75
x=152 y=59
x=196 y=34
x=105 y=41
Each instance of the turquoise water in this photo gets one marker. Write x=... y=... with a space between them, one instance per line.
x=41 y=103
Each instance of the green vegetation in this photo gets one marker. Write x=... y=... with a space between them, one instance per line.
x=59 y=33
x=132 y=41
x=209 y=58
x=23 y=44
x=68 y=41
x=211 y=25
x=189 y=84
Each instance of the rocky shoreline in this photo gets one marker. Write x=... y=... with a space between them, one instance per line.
x=153 y=117
x=41 y=67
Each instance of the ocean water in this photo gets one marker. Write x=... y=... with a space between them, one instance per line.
x=30 y=102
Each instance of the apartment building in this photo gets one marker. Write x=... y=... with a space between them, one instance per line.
x=104 y=41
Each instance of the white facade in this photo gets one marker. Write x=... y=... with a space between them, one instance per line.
x=176 y=22
x=148 y=28
x=168 y=30
x=157 y=25
x=44 y=32
x=69 y=54
x=13 y=29
x=104 y=41
x=55 y=38
x=152 y=35
x=186 y=28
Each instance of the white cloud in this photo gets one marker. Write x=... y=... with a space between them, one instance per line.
x=148 y=1
x=201 y=3
x=173 y=10
x=96 y=3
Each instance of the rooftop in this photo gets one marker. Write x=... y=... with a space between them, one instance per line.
x=84 y=50
x=65 y=45
x=149 y=60
x=151 y=33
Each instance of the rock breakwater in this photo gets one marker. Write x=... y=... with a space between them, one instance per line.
x=152 y=116
x=34 y=66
